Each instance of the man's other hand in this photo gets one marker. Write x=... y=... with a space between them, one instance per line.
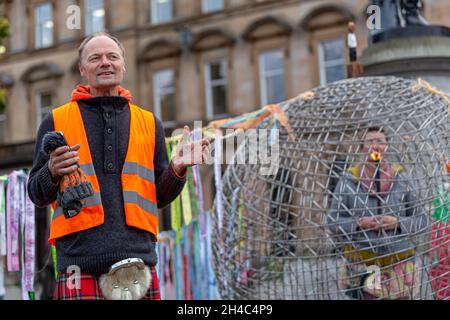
x=189 y=153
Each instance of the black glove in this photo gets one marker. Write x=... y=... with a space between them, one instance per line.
x=70 y=200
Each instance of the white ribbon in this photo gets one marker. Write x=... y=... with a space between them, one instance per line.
x=218 y=178
x=28 y=240
x=12 y=223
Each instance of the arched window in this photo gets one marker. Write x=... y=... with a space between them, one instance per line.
x=214 y=63
x=160 y=60
x=6 y=82
x=270 y=41
x=41 y=81
x=326 y=27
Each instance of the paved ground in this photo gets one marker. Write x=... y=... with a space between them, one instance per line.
x=13 y=293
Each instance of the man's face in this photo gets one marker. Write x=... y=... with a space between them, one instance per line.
x=375 y=141
x=102 y=63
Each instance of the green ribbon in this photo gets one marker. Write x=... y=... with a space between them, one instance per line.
x=186 y=203
x=53 y=249
x=192 y=193
x=442 y=202
x=175 y=210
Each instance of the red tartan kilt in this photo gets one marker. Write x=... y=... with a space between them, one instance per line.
x=90 y=288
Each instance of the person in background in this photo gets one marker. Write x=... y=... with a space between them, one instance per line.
x=375 y=211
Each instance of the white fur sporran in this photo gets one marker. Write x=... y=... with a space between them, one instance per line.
x=126 y=282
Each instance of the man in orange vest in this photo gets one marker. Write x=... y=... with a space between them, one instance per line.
x=120 y=147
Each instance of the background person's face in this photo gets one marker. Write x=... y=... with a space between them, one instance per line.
x=102 y=63
x=375 y=141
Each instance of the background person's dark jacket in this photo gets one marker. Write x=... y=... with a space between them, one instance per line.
x=350 y=203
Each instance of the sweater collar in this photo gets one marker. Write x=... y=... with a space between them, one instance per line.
x=82 y=92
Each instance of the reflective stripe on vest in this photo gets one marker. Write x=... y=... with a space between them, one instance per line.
x=138 y=179
x=142 y=172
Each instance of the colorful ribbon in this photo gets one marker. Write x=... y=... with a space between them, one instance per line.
x=184 y=254
x=12 y=223
x=186 y=205
x=218 y=179
x=28 y=240
x=20 y=220
x=3 y=180
x=53 y=249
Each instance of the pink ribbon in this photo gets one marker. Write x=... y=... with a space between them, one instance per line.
x=20 y=214
x=12 y=223
x=28 y=236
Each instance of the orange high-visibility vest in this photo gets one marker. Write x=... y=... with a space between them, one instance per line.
x=138 y=180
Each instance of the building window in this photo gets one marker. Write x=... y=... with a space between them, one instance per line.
x=331 y=60
x=95 y=16
x=212 y=5
x=271 y=71
x=43 y=25
x=161 y=11
x=216 y=88
x=2 y=125
x=164 y=93
x=43 y=106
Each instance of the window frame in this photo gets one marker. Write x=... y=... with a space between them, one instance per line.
x=206 y=10
x=88 y=17
x=263 y=76
x=38 y=107
x=154 y=17
x=157 y=108
x=208 y=86
x=39 y=26
x=323 y=65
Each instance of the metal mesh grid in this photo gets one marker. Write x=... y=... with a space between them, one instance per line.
x=277 y=239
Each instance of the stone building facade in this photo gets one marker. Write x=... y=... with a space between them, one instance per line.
x=186 y=60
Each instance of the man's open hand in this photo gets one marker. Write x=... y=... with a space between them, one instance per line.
x=189 y=153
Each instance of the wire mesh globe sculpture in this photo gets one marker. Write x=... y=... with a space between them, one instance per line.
x=301 y=232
